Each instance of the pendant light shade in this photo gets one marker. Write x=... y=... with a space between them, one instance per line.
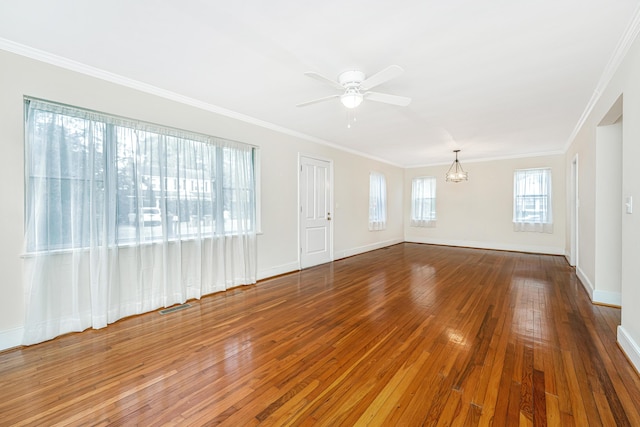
x=455 y=172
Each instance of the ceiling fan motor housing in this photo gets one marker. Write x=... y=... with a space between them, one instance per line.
x=351 y=78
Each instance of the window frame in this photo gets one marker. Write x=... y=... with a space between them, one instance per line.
x=540 y=193
x=377 y=201
x=428 y=220
x=157 y=183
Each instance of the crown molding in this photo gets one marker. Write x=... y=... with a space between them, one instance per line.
x=621 y=50
x=492 y=159
x=69 y=64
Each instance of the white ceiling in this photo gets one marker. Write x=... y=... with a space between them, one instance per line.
x=494 y=78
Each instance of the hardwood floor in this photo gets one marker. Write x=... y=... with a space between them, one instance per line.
x=408 y=335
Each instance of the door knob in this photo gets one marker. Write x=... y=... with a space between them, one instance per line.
x=328 y=216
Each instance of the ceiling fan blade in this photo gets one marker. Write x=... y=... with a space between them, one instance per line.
x=382 y=76
x=324 y=79
x=402 y=101
x=326 y=98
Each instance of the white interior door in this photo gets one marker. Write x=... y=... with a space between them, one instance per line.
x=316 y=245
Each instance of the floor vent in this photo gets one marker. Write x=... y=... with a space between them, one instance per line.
x=174 y=308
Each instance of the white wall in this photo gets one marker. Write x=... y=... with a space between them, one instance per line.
x=479 y=212
x=600 y=213
x=278 y=248
x=608 y=218
x=626 y=84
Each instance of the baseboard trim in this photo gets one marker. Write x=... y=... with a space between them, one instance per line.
x=586 y=283
x=547 y=250
x=295 y=266
x=607 y=298
x=278 y=270
x=568 y=258
x=367 y=248
x=630 y=348
x=597 y=296
x=11 y=338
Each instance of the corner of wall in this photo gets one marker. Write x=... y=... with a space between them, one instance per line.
x=586 y=283
x=596 y=296
x=567 y=256
x=630 y=348
x=607 y=298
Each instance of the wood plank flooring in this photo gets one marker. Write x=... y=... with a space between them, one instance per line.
x=408 y=335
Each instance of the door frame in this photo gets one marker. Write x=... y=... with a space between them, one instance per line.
x=575 y=213
x=299 y=204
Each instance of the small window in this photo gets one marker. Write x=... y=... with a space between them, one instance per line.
x=532 y=200
x=377 y=202
x=423 y=202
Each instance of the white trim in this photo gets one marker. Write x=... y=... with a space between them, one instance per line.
x=597 y=296
x=574 y=212
x=295 y=266
x=629 y=347
x=330 y=214
x=547 y=250
x=78 y=67
x=586 y=283
x=278 y=270
x=493 y=159
x=607 y=297
x=618 y=55
x=11 y=338
x=257 y=175
x=362 y=249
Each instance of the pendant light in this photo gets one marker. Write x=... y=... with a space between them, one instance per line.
x=455 y=172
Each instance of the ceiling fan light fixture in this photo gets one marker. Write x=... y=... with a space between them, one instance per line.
x=351 y=98
x=455 y=172
x=354 y=86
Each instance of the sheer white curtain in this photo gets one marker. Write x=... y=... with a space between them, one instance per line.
x=423 y=201
x=532 y=196
x=377 y=202
x=124 y=217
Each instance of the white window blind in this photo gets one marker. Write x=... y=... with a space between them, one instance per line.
x=532 y=196
x=377 y=202
x=423 y=202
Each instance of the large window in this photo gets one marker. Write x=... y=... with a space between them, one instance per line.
x=532 y=210
x=124 y=217
x=423 y=201
x=377 y=201
x=96 y=177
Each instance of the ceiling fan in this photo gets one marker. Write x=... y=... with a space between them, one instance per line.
x=355 y=87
